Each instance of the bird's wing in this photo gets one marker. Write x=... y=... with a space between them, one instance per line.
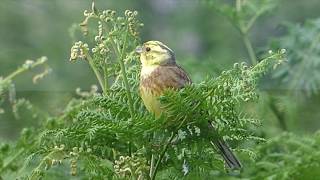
x=165 y=77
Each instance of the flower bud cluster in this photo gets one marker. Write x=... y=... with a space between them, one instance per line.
x=107 y=15
x=101 y=46
x=54 y=159
x=60 y=148
x=133 y=23
x=128 y=166
x=86 y=13
x=74 y=155
x=41 y=75
x=87 y=94
x=28 y=64
x=111 y=29
x=79 y=50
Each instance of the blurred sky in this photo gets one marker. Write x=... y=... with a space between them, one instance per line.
x=33 y=28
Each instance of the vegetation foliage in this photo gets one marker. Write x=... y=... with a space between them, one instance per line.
x=302 y=73
x=109 y=134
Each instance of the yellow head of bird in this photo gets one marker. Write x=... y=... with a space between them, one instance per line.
x=153 y=53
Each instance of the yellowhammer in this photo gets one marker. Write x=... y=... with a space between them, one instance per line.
x=160 y=72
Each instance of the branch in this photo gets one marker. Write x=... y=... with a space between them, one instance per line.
x=28 y=65
x=96 y=72
x=124 y=75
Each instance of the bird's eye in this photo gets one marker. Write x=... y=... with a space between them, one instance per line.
x=148 y=49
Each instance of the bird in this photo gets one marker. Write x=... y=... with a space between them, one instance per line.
x=160 y=72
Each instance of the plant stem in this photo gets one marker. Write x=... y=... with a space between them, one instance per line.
x=154 y=173
x=249 y=48
x=254 y=19
x=23 y=69
x=238 y=5
x=105 y=75
x=278 y=114
x=151 y=165
x=96 y=72
x=161 y=156
x=7 y=164
x=124 y=76
x=244 y=30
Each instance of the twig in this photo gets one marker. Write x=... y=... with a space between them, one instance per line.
x=278 y=114
x=249 y=48
x=124 y=76
x=23 y=69
x=7 y=164
x=151 y=165
x=125 y=79
x=105 y=72
x=96 y=72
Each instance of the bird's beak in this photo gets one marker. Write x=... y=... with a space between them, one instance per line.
x=139 y=49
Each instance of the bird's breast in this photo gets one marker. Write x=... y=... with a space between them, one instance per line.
x=146 y=71
x=151 y=88
x=151 y=100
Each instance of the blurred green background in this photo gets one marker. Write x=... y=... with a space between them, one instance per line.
x=204 y=41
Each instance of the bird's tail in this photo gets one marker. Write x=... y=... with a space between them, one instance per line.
x=230 y=159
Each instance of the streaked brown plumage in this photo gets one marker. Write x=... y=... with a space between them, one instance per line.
x=161 y=78
x=160 y=72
